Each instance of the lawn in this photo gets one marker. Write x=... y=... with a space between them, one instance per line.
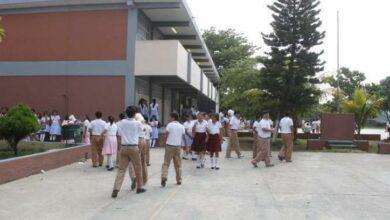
x=27 y=148
x=300 y=145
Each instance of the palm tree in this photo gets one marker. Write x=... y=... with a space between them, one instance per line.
x=2 y=32
x=363 y=106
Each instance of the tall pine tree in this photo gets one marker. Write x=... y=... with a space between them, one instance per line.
x=289 y=76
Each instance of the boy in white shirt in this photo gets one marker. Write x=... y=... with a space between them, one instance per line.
x=129 y=130
x=255 y=146
x=287 y=131
x=96 y=129
x=173 y=136
x=265 y=131
x=234 y=143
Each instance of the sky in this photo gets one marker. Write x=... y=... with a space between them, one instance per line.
x=364 y=29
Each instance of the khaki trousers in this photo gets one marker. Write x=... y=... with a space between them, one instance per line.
x=288 y=145
x=172 y=152
x=119 y=141
x=264 y=149
x=142 y=149
x=147 y=152
x=129 y=155
x=234 y=144
x=255 y=145
x=96 y=148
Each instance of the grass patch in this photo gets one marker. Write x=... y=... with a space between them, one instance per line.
x=27 y=148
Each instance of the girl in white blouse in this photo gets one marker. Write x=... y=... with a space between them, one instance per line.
x=199 y=141
x=110 y=142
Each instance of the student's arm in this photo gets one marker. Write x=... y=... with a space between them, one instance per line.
x=194 y=129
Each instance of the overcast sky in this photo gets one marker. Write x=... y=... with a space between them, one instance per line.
x=365 y=32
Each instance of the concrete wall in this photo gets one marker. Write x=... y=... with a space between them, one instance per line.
x=195 y=75
x=82 y=35
x=205 y=84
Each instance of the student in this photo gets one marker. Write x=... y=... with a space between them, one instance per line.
x=265 y=132
x=173 y=136
x=154 y=136
x=148 y=131
x=86 y=134
x=42 y=123
x=255 y=131
x=110 y=146
x=287 y=131
x=214 y=129
x=199 y=142
x=55 y=126
x=121 y=118
x=234 y=144
x=188 y=138
x=154 y=109
x=143 y=105
x=96 y=129
x=129 y=129
x=45 y=122
x=142 y=149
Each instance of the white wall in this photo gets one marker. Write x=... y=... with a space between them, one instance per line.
x=195 y=75
x=205 y=84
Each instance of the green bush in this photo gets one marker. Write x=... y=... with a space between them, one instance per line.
x=18 y=123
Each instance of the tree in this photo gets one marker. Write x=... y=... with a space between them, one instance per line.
x=384 y=92
x=19 y=122
x=363 y=106
x=241 y=84
x=227 y=47
x=348 y=81
x=2 y=32
x=289 y=75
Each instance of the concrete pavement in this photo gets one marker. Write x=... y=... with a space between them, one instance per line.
x=314 y=186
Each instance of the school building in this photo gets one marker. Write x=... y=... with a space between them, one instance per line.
x=79 y=56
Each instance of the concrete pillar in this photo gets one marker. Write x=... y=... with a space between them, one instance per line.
x=132 y=27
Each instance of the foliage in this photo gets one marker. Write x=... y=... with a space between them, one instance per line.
x=19 y=122
x=348 y=81
x=384 y=92
x=227 y=47
x=289 y=76
x=2 y=32
x=241 y=82
x=363 y=106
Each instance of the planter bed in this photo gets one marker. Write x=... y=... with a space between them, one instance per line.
x=20 y=167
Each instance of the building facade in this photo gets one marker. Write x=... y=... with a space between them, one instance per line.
x=79 y=56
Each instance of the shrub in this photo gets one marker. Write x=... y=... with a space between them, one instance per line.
x=18 y=123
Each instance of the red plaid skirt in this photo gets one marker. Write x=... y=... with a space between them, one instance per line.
x=214 y=143
x=199 y=142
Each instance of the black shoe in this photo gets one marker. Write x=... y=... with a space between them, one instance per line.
x=288 y=161
x=148 y=164
x=269 y=165
x=133 y=184
x=179 y=183
x=193 y=159
x=280 y=158
x=114 y=193
x=202 y=165
x=107 y=166
x=254 y=164
x=94 y=166
x=212 y=168
x=139 y=191
x=100 y=165
x=197 y=167
x=163 y=182
x=217 y=168
x=110 y=169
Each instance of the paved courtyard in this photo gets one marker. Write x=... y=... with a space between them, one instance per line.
x=315 y=186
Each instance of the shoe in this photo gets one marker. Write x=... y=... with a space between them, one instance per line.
x=212 y=168
x=139 y=191
x=110 y=169
x=280 y=158
x=197 y=167
x=179 y=183
x=217 y=168
x=288 y=161
x=107 y=166
x=133 y=184
x=94 y=166
x=115 y=193
x=100 y=165
x=269 y=165
x=202 y=165
x=163 y=182
x=240 y=156
x=228 y=157
x=254 y=164
x=185 y=158
x=148 y=165
x=193 y=159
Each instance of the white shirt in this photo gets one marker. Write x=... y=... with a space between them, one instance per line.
x=112 y=129
x=97 y=126
x=86 y=124
x=256 y=126
x=129 y=130
x=147 y=131
x=188 y=125
x=264 y=123
x=175 y=133
x=200 y=126
x=234 y=123
x=214 y=128
x=285 y=125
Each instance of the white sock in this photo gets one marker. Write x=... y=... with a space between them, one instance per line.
x=109 y=161
x=198 y=161
x=212 y=162
x=216 y=162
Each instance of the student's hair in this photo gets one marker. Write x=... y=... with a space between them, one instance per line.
x=146 y=118
x=264 y=113
x=202 y=114
x=111 y=119
x=122 y=116
x=98 y=114
x=54 y=111
x=287 y=114
x=66 y=117
x=237 y=113
x=131 y=111
x=154 y=102
x=87 y=117
x=215 y=116
x=174 y=116
x=153 y=118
